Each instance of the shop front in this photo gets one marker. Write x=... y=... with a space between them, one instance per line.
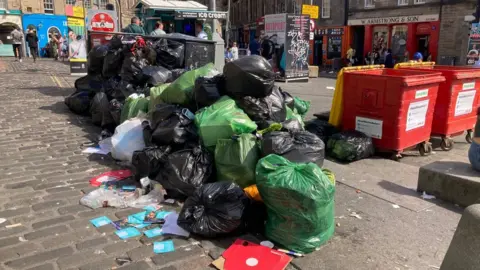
x=45 y=25
x=7 y=24
x=415 y=33
x=328 y=44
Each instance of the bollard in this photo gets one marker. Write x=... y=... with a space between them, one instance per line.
x=463 y=251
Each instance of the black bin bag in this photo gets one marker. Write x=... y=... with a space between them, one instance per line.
x=208 y=90
x=132 y=69
x=170 y=53
x=112 y=63
x=96 y=58
x=214 y=210
x=296 y=146
x=186 y=170
x=171 y=124
x=249 y=76
x=270 y=108
x=156 y=75
x=321 y=128
x=148 y=162
x=350 y=146
x=79 y=103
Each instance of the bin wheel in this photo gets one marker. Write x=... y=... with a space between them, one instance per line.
x=396 y=156
x=468 y=137
x=447 y=144
x=425 y=149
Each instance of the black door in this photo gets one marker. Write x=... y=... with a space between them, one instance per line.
x=318 y=50
x=358 y=41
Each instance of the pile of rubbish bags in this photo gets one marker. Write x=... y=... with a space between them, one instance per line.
x=232 y=146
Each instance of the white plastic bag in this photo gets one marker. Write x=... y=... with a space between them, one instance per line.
x=101 y=197
x=127 y=139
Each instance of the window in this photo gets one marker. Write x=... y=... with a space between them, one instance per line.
x=70 y=2
x=402 y=2
x=334 y=49
x=48 y=6
x=369 y=3
x=399 y=41
x=325 y=8
x=3 y=4
x=416 y=2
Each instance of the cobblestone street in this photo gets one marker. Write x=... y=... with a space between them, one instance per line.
x=43 y=174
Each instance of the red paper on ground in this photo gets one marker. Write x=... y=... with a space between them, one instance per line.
x=245 y=255
x=110 y=176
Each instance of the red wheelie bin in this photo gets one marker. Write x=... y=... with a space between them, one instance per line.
x=457 y=102
x=393 y=106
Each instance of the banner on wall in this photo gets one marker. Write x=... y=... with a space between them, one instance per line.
x=77 y=49
x=297 y=46
x=275 y=27
x=473 y=44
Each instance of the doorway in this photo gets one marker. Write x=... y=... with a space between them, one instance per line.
x=358 y=42
x=318 y=50
x=422 y=43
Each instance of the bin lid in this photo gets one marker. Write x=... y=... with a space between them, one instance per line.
x=410 y=77
x=454 y=72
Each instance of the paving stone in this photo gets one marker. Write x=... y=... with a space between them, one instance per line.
x=136 y=266
x=14 y=212
x=17 y=185
x=17 y=251
x=121 y=246
x=46 y=232
x=141 y=253
x=9 y=241
x=100 y=265
x=81 y=258
x=181 y=254
x=125 y=213
x=47 y=205
x=72 y=209
x=91 y=243
x=47 y=266
x=63 y=195
x=53 y=221
x=61 y=240
x=4 y=232
x=39 y=257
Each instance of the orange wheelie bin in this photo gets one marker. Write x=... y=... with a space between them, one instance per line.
x=393 y=106
x=457 y=102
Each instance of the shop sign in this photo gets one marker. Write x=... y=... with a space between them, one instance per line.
x=310 y=10
x=101 y=21
x=74 y=11
x=329 y=31
x=393 y=20
x=201 y=15
x=423 y=29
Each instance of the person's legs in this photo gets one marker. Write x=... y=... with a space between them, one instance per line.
x=33 y=52
x=474 y=154
x=19 y=52
x=15 y=52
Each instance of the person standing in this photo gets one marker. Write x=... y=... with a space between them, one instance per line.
x=134 y=27
x=32 y=41
x=234 y=51
x=389 y=59
x=158 y=29
x=200 y=32
x=53 y=46
x=17 y=38
x=254 y=46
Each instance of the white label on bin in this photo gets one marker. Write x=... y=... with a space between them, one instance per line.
x=464 y=102
x=421 y=93
x=417 y=113
x=468 y=86
x=370 y=127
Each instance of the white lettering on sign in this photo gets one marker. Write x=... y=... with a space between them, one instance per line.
x=421 y=93
x=417 y=114
x=371 y=127
x=468 y=86
x=464 y=102
x=392 y=20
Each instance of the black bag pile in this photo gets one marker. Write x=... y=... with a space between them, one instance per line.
x=208 y=90
x=350 y=146
x=296 y=146
x=321 y=128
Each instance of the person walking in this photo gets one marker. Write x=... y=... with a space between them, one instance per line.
x=134 y=27
x=234 y=51
x=200 y=32
x=158 y=29
x=53 y=42
x=32 y=41
x=17 y=38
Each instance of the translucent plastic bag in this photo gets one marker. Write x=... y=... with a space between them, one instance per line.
x=127 y=139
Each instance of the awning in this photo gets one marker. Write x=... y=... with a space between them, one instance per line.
x=170 y=5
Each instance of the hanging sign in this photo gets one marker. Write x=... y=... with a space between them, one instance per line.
x=200 y=15
x=310 y=10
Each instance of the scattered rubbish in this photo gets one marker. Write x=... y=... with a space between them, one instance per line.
x=355 y=215
x=171 y=226
x=348 y=146
x=127 y=139
x=267 y=244
x=163 y=247
x=395 y=206
x=128 y=233
x=330 y=88
x=169 y=201
x=293 y=253
x=425 y=196
x=338 y=224
x=110 y=176
x=21 y=239
x=100 y=221
x=122 y=260
x=358 y=191
x=340 y=217
x=2 y=220
x=153 y=232
x=99 y=251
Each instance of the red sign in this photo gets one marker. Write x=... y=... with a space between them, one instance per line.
x=312 y=25
x=102 y=22
x=423 y=29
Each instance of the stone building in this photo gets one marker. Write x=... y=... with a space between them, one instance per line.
x=432 y=27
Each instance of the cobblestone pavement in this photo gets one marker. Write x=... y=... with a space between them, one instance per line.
x=43 y=174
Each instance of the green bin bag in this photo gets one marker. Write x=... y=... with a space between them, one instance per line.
x=134 y=105
x=292 y=114
x=222 y=120
x=181 y=90
x=236 y=159
x=301 y=106
x=300 y=203
x=155 y=93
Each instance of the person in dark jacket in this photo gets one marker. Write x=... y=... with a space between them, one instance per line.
x=134 y=27
x=389 y=59
x=32 y=41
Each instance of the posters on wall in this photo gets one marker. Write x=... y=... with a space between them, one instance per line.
x=275 y=28
x=297 y=46
x=76 y=40
x=473 y=44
